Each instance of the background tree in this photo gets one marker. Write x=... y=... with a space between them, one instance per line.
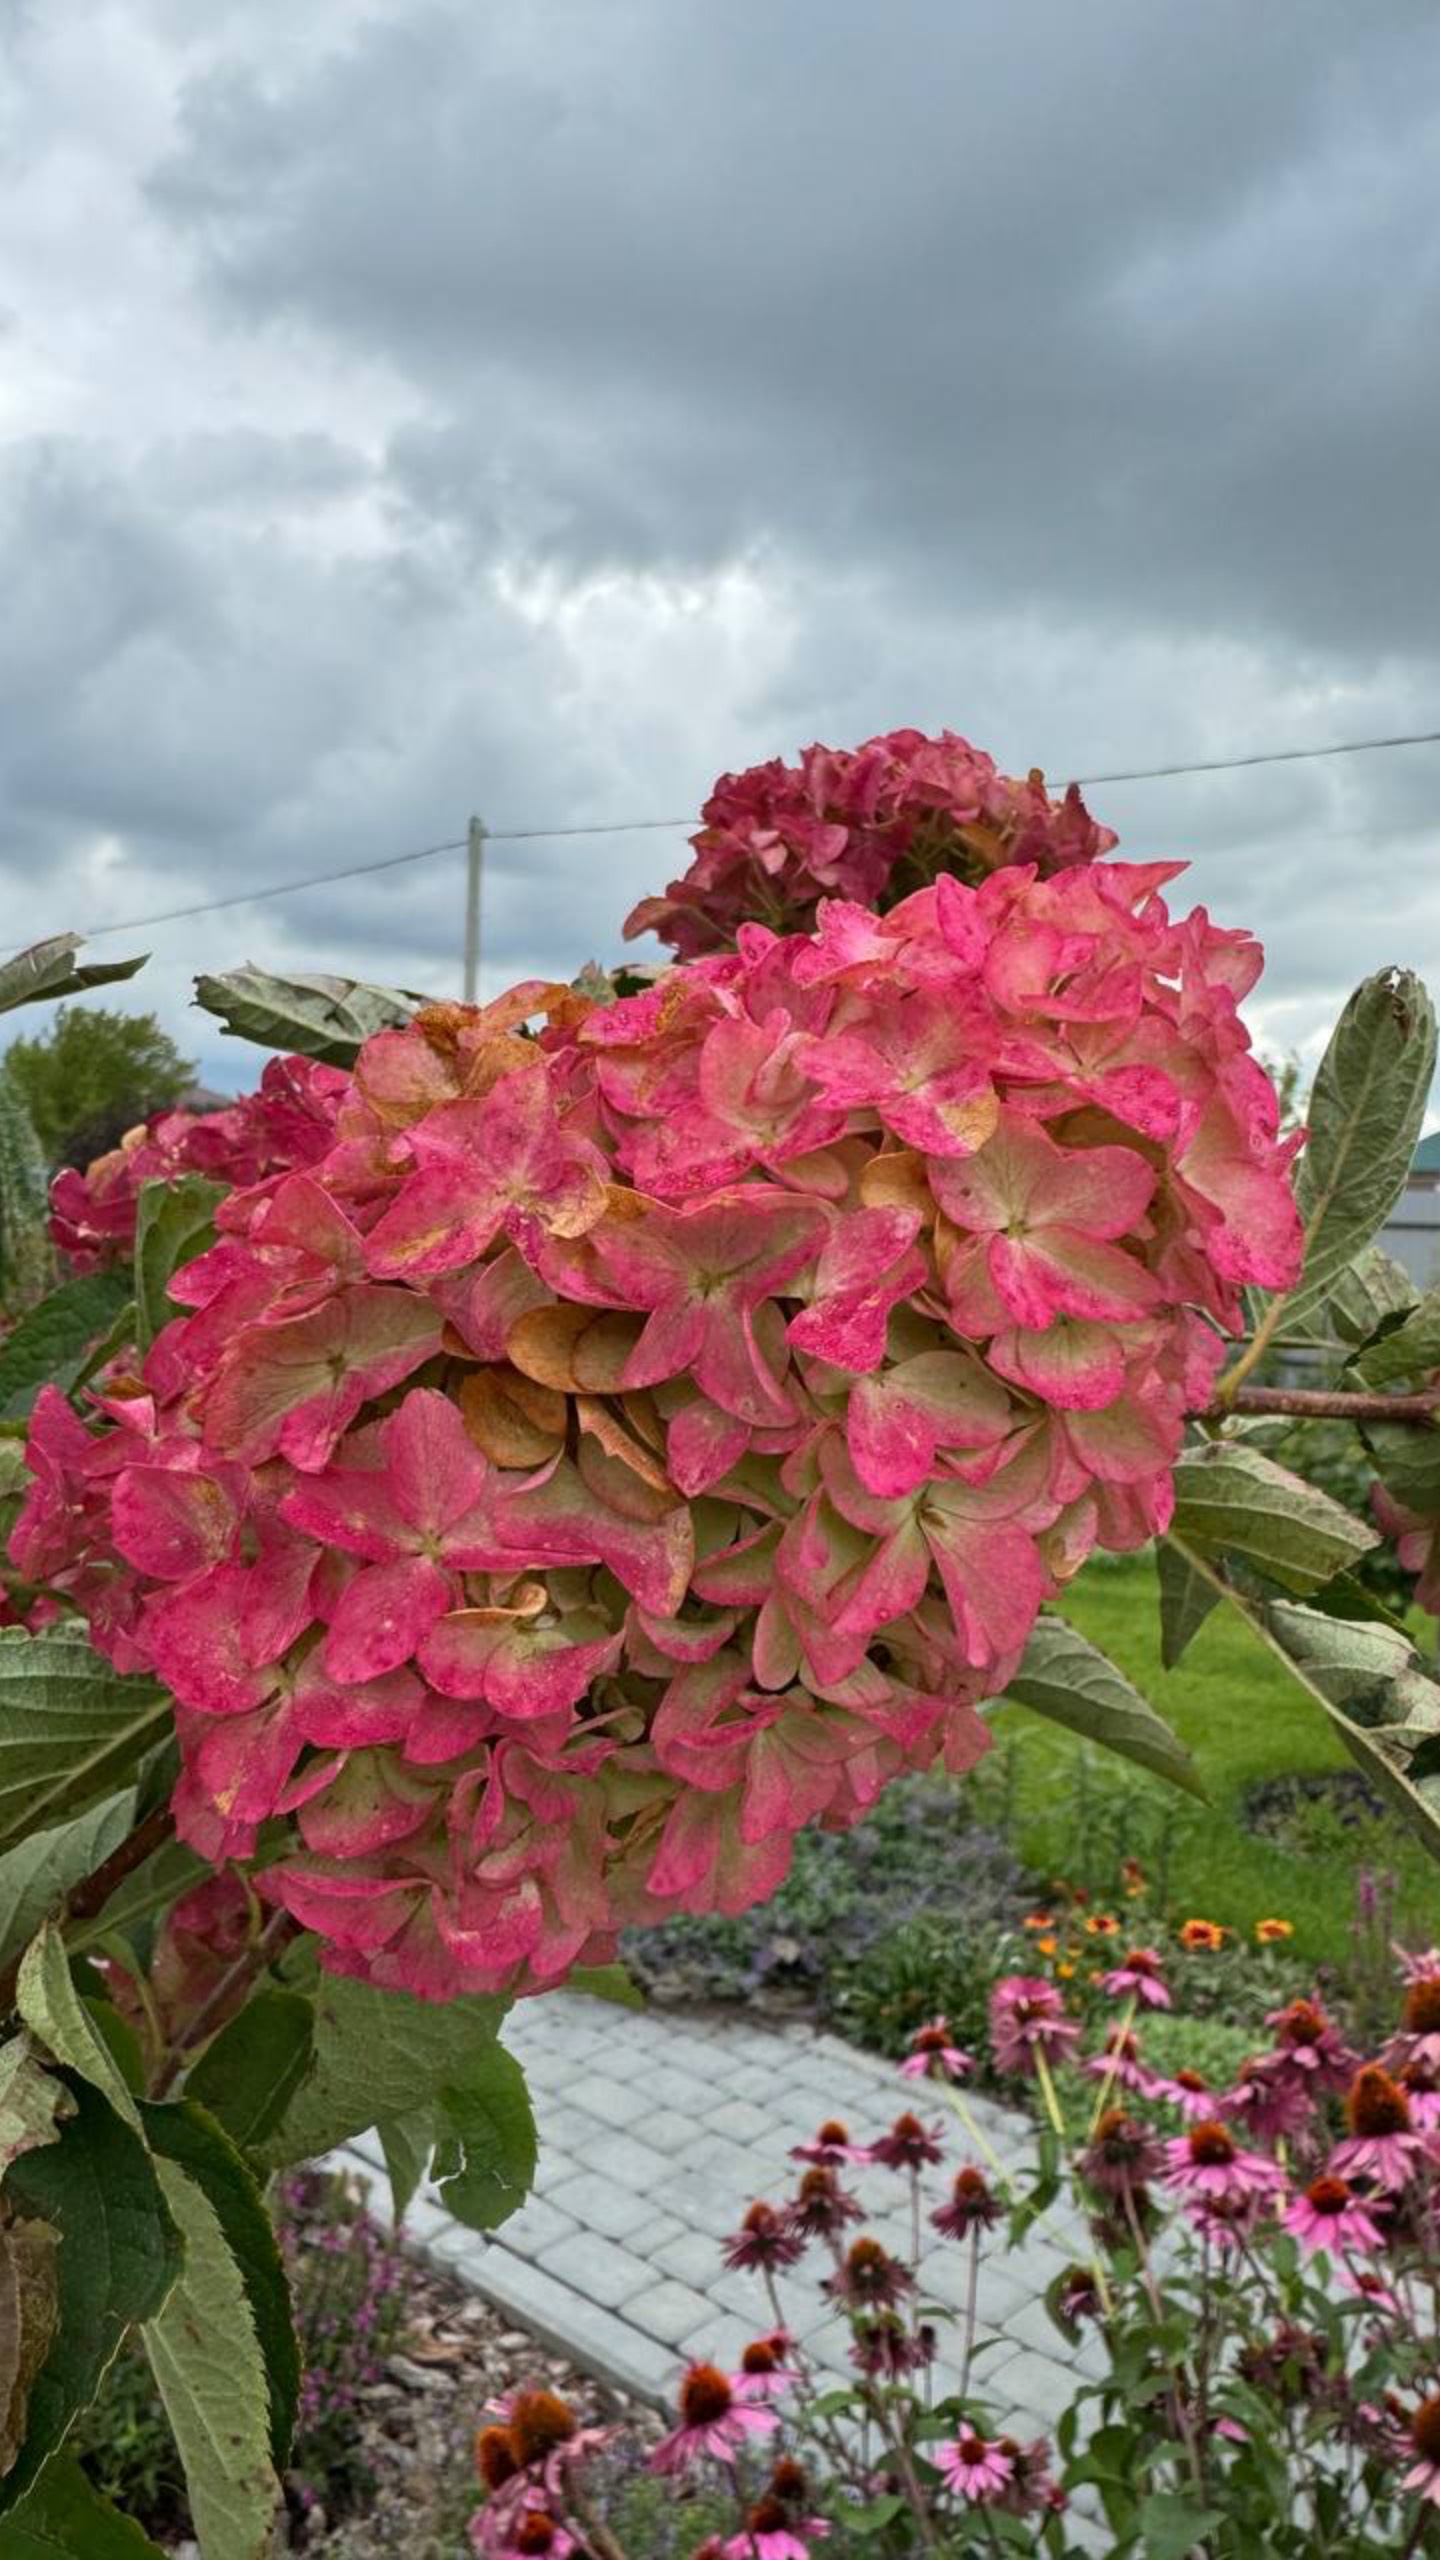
x=92 y=1075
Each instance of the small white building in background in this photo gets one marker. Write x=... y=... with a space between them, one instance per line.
x=1411 y=1233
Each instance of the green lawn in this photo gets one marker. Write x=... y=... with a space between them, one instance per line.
x=1244 y=1721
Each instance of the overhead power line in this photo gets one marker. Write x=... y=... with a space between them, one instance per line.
x=642 y=826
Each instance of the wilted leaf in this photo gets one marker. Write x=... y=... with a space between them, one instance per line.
x=32 y=2101
x=29 y=2318
x=1230 y=1499
x=327 y=1018
x=120 y=2253
x=71 y=1729
x=1365 y=1111
x=174 y=1221
x=48 y=969
x=1069 y=1680
x=48 y=1346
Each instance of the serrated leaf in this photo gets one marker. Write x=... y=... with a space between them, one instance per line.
x=1364 y=1116
x=196 y=2143
x=29 y=2318
x=1068 y=1679
x=1232 y=1500
x=251 y=2072
x=489 y=2114
x=1171 y=2526
x=50 y=1343
x=65 y=2518
x=1409 y=1350
x=174 y=1221
x=71 y=1729
x=326 y=1018
x=41 y=1869
x=407 y=2142
x=1382 y=1703
x=376 y=2053
x=48 y=969
x=32 y=2100
x=119 y=2256
x=1186 y=1600
x=1376 y=1290
x=52 y=2008
x=210 y=2373
x=1407 y=1461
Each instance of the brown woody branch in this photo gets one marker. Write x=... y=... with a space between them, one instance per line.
x=1308 y=1404
x=90 y=1897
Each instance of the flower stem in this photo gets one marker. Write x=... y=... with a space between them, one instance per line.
x=1049 y=2093
x=1127 y=2021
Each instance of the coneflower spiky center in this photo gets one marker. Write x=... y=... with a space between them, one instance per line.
x=1377 y=2105
x=705 y=2396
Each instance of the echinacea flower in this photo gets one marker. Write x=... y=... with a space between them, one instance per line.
x=932 y=2056
x=766 y=2240
x=545 y=2440
x=1424 y=2473
x=536 y=2534
x=770 y=2532
x=1268 y=1933
x=1121 y=2157
x=1269 y=2100
x=764 y=2371
x=886 y=2349
x=1030 y=2491
x=1202 y=1937
x=1382 y=2142
x=830 y=2146
x=1331 y=2215
x=1418 y=2040
x=977 y=2468
x=1206 y=2165
x=909 y=2144
x=1028 y=2016
x=1118 y=2064
x=713 y=2421
x=822 y=2207
x=868 y=2277
x=1138 y=1978
x=1192 y=2095
x=1307 y=2042
x=1421 y=2084
x=972 y=2206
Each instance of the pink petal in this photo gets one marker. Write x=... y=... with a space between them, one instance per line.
x=382 y=1615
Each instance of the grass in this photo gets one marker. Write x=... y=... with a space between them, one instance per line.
x=1243 y=1721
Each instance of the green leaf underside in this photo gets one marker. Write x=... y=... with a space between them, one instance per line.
x=39 y=1870
x=377 y=2053
x=71 y=1729
x=52 y=2008
x=1186 y=1600
x=1364 y=1117
x=1406 y=1352
x=1069 y=1680
x=120 y=2253
x=174 y=1221
x=210 y=2373
x=325 y=1018
x=1373 y=1292
x=250 y=2074
x=196 y=2143
x=49 y=969
x=1231 y=1498
x=64 y=2518
x=49 y=1344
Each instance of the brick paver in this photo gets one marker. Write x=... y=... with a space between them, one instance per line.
x=656 y=2132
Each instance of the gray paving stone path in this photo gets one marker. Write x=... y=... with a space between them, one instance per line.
x=657 y=2129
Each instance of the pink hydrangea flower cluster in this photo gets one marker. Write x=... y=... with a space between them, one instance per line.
x=622 y=1446
x=868 y=823
x=288 y=1122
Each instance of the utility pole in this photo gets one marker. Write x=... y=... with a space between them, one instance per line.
x=475 y=847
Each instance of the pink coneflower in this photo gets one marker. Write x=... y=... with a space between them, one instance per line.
x=831 y=2147
x=822 y=2207
x=1075 y=2298
x=1195 y=2099
x=1207 y=2165
x=1271 y=2100
x=712 y=2421
x=772 y=2533
x=1418 y=2040
x=1122 y=2156
x=1031 y=2491
x=1227 y=2222
x=1027 y=2016
x=765 y=2240
x=1306 y=2041
x=1382 y=2142
x=869 y=2278
x=537 y=2535
x=885 y=2348
x=1372 y=2289
x=765 y=2372
x=1118 y=2063
x=909 y=2144
x=1421 y=2085
x=545 y=2436
x=976 y=2468
x=932 y=2056
x=1330 y=2215
x=1424 y=2473
x=972 y=2206
x=1138 y=1978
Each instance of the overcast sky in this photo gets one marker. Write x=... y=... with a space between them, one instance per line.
x=541 y=406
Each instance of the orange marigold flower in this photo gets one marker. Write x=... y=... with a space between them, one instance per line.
x=1203 y=1934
